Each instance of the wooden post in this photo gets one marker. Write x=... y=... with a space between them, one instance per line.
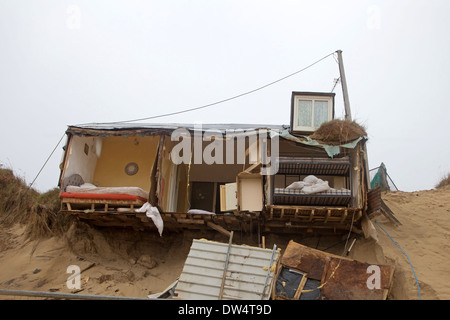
x=218 y=228
x=348 y=115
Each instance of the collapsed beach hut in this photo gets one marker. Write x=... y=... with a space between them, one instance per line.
x=311 y=174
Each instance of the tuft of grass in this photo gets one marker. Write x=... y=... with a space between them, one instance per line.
x=445 y=181
x=24 y=205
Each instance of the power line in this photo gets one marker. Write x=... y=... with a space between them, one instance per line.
x=224 y=100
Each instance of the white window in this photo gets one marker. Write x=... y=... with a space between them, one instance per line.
x=309 y=111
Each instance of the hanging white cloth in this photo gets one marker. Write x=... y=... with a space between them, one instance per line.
x=153 y=213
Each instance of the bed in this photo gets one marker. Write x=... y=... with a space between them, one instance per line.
x=77 y=195
x=331 y=197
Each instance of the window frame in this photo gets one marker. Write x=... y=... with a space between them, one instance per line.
x=314 y=96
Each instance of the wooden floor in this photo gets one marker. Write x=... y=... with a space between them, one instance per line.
x=275 y=218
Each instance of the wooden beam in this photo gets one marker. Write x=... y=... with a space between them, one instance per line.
x=218 y=228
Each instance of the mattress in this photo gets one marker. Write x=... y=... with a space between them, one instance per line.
x=104 y=192
x=331 y=197
x=329 y=192
x=101 y=196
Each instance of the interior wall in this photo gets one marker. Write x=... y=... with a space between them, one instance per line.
x=222 y=172
x=117 y=152
x=83 y=157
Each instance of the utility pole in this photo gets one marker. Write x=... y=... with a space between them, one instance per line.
x=348 y=115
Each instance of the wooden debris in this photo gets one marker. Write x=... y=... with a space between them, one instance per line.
x=340 y=278
x=387 y=212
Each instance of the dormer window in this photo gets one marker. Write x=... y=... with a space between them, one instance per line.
x=309 y=110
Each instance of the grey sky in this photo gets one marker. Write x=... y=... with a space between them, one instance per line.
x=69 y=62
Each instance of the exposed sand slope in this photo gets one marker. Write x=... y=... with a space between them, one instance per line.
x=424 y=235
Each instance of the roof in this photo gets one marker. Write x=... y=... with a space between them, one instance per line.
x=100 y=129
x=249 y=272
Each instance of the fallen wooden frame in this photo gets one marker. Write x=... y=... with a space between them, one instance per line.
x=340 y=278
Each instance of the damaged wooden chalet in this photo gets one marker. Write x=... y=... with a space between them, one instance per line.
x=311 y=174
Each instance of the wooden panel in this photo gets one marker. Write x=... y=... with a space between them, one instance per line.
x=305 y=259
x=250 y=192
x=347 y=280
x=374 y=202
x=228 y=199
x=341 y=278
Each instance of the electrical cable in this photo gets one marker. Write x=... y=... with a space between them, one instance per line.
x=34 y=180
x=417 y=281
x=221 y=101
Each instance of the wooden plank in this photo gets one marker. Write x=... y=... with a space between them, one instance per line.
x=218 y=228
x=300 y=287
x=253 y=167
x=190 y=221
x=387 y=212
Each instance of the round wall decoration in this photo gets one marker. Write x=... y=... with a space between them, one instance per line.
x=131 y=168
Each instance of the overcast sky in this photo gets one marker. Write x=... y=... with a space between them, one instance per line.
x=71 y=62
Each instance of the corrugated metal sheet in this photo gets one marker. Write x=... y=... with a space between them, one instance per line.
x=249 y=272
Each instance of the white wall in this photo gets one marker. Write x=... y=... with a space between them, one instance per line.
x=80 y=163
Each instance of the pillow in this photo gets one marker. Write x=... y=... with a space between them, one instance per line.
x=318 y=187
x=309 y=180
x=88 y=185
x=73 y=180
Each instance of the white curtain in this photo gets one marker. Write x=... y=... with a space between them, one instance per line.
x=320 y=112
x=304 y=113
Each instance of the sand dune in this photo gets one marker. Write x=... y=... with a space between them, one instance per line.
x=136 y=264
